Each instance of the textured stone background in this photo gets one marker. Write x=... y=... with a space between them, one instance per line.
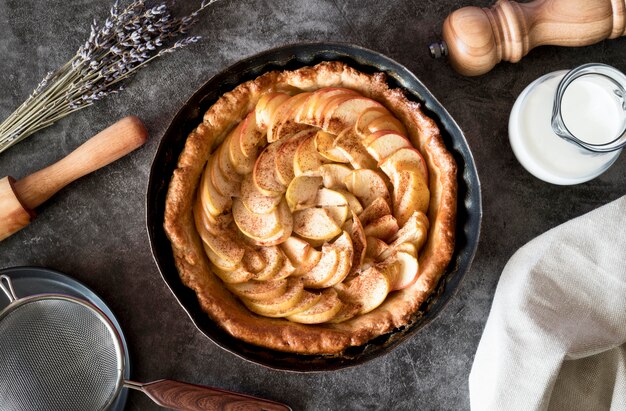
x=94 y=230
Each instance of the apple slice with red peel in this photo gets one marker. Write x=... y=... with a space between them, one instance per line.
x=413 y=232
x=286 y=153
x=324 y=143
x=385 y=143
x=405 y=159
x=259 y=290
x=333 y=175
x=307 y=159
x=351 y=148
x=262 y=227
x=301 y=254
x=368 y=290
x=324 y=269
x=264 y=173
x=265 y=109
x=389 y=123
x=254 y=200
x=384 y=228
x=377 y=209
x=328 y=99
x=212 y=200
x=282 y=122
x=315 y=224
x=302 y=192
x=366 y=117
x=323 y=311
x=375 y=248
x=410 y=194
x=367 y=185
x=346 y=113
x=407 y=270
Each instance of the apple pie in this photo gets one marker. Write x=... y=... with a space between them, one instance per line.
x=313 y=210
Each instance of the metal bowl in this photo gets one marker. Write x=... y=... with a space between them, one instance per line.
x=287 y=58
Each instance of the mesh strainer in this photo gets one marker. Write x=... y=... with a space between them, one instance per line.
x=62 y=353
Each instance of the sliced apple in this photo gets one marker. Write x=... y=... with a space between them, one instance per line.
x=405 y=159
x=324 y=310
x=224 y=183
x=212 y=200
x=285 y=271
x=335 y=202
x=264 y=173
x=367 y=185
x=346 y=114
x=407 y=270
x=221 y=242
x=315 y=224
x=368 y=290
x=384 y=228
x=237 y=276
x=414 y=232
x=346 y=251
x=334 y=175
x=273 y=258
x=224 y=162
x=263 y=226
x=294 y=300
x=366 y=117
x=307 y=159
x=385 y=143
x=377 y=209
x=301 y=254
x=324 y=143
x=265 y=109
x=259 y=290
x=242 y=164
x=353 y=203
x=410 y=194
x=359 y=241
x=387 y=123
x=375 y=248
x=346 y=312
x=255 y=200
x=347 y=142
x=219 y=262
x=286 y=153
x=302 y=192
x=324 y=269
x=250 y=140
x=253 y=260
x=314 y=109
x=282 y=122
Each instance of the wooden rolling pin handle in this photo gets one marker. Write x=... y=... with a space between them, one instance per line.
x=105 y=147
x=476 y=39
x=18 y=199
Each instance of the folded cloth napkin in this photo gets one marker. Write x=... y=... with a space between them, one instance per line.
x=555 y=338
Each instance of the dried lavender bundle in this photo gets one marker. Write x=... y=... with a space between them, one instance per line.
x=129 y=39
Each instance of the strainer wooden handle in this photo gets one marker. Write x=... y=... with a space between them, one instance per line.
x=189 y=397
x=18 y=199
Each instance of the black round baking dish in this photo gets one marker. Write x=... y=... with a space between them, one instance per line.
x=292 y=57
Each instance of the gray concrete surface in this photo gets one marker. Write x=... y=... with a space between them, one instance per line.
x=94 y=230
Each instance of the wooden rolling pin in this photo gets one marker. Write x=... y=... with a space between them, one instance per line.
x=18 y=199
x=476 y=39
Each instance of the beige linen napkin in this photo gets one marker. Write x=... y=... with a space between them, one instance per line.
x=555 y=338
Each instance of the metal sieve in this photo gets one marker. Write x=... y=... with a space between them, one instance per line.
x=62 y=353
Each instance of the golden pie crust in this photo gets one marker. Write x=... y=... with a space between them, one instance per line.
x=224 y=308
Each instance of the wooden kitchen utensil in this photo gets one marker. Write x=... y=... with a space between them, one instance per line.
x=476 y=39
x=18 y=199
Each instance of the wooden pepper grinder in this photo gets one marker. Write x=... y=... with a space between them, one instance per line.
x=476 y=39
x=18 y=199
